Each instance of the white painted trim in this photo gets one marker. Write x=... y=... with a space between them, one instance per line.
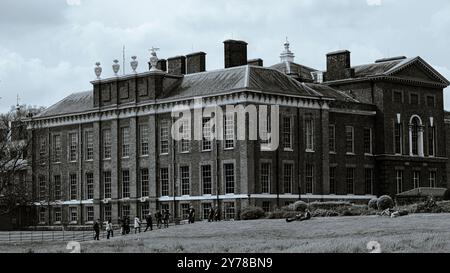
x=266 y=196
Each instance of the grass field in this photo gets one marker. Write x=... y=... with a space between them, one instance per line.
x=413 y=233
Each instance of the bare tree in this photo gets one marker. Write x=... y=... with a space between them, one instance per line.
x=15 y=187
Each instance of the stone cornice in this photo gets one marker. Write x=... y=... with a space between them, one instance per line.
x=166 y=106
x=389 y=79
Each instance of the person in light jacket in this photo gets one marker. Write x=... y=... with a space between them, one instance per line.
x=109 y=229
x=137 y=224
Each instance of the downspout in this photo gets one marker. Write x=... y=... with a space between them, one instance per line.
x=299 y=156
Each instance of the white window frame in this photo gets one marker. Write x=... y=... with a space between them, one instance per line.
x=125 y=181
x=89 y=185
x=144 y=139
x=107 y=144
x=332 y=138
x=164 y=137
x=185 y=180
x=107 y=184
x=399 y=174
x=265 y=177
x=288 y=133
x=309 y=131
x=73 y=147
x=164 y=181
x=229 y=123
x=89 y=140
x=202 y=173
x=144 y=174
x=370 y=141
x=226 y=183
x=288 y=178
x=352 y=131
x=125 y=139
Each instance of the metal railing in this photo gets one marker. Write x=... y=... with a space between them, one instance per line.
x=65 y=235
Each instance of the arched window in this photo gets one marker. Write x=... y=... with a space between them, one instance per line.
x=415 y=135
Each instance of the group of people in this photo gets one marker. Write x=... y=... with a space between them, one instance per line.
x=162 y=218
x=214 y=214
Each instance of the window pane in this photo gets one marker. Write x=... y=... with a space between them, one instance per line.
x=229 y=178
x=207 y=179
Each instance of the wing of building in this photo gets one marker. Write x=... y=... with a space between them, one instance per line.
x=347 y=133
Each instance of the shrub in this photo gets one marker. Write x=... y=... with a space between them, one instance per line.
x=385 y=202
x=329 y=205
x=281 y=214
x=324 y=213
x=446 y=196
x=373 y=203
x=252 y=213
x=299 y=206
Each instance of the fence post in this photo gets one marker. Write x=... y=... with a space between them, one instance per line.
x=20 y=236
x=9 y=235
x=63 y=235
x=42 y=236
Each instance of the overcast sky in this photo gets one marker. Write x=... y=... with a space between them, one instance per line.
x=48 y=48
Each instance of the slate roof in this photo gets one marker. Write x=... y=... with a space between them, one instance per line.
x=382 y=68
x=291 y=68
x=214 y=82
x=74 y=103
x=237 y=78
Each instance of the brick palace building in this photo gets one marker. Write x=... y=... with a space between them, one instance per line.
x=347 y=133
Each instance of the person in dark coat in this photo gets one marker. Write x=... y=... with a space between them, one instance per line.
x=191 y=215
x=97 y=230
x=211 y=215
x=217 y=214
x=127 y=224
x=166 y=218
x=158 y=217
x=149 y=221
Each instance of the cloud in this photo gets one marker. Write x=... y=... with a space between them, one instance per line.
x=374 y=2
x=52 y=45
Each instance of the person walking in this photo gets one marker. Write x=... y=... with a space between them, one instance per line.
x=217 y=214
x=137 y=224
x=211 y=215
x=166 y=218
x=97 y=230
x=149 y=221
x=191 y=215
x=158 y=217
x=109 y=230
x=127 y=224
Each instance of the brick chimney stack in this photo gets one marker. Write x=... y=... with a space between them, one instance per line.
x=339 y=66
x=176 y=65
x=195 y=62
x=235 y=53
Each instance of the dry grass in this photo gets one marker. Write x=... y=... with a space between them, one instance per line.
x=413 y=233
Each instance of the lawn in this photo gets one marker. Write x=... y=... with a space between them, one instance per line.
x=413 y=233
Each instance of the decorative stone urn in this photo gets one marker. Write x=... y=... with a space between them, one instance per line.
x=116 y=67
x=98 y=70
x=134 y=64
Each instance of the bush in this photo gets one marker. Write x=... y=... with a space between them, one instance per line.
x=298 y=206
x=281 y=214
x=385 y=202
x=252 y=213
x=446 y=196
x=329 y=205
x=324 y=213
x=373 y=203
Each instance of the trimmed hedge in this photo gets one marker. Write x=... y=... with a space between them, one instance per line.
x=252 y=213
x=385 y=202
